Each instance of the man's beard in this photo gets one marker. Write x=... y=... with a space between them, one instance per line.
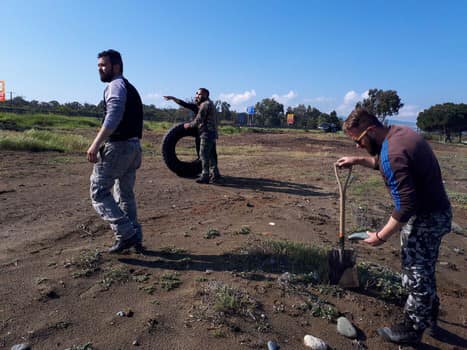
x=106 y=77
x=373 y=147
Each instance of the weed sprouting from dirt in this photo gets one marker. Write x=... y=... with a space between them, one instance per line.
x=245 y=230
x=170 y=281
x=140 y=278
x=115 y=274
x=87 y=263
x=221 y=304
x=458 y=199
x=173 y=250
x=227 y=299
x=278 y=256
x=381 y=281
x=150 y=289
x=212 y=233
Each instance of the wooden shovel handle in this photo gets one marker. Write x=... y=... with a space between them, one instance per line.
x=342 y=190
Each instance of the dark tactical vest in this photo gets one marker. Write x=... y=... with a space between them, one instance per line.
x=131 y=124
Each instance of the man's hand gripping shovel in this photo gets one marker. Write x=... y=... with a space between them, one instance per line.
x=342 y=262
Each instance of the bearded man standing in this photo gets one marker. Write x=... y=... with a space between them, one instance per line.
x=116 y=154
x=206 y=122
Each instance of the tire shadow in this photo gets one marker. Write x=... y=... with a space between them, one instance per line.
x=269 y=185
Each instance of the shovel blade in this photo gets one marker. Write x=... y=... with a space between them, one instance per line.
x=342 y=268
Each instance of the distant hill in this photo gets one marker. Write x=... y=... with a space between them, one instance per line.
x=410 y=124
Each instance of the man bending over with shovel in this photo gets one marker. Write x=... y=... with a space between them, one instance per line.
x=422 y=213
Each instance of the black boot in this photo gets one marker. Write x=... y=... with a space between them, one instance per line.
x=402 y=333
x=433 y=330
x=121 y=245
x=215 y=177
x=203 y=179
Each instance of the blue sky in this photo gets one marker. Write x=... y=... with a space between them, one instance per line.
x=321 y=53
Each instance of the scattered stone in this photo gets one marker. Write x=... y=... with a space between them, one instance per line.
x=314 y=343
x=272 y=224
x=121 y=314
x=21 y=347
x=345 y=328
x=272 y=345
x=456 y=228
x=459 y=251
x=135 y=343
x=208 y=272
x=286 y=277
x=129 y=313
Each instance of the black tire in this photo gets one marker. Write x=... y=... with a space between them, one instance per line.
x=169 y=154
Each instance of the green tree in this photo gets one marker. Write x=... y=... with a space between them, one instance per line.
x=382 y=103
x=269 y=113
x=223 y=109
x=446 y=118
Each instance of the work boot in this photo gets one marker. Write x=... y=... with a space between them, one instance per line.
x=123 y=244
x=203 y=179
x=215 y=177
x=401 y=333
x=433 y=330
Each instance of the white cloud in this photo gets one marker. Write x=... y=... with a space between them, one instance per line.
x=408 y=112
x=238 y=101
x=284 y=99
x=319 y=99
x=350 y=99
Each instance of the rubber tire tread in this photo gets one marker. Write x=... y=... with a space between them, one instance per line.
x=169 y=154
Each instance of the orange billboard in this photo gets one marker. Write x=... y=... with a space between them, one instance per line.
x=290 y=119
x=2 y=91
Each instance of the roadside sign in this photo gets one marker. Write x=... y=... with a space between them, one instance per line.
x=290 y=119
x=250 y=110
x=2 y=91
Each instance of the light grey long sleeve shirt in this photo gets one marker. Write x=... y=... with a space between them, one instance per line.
x=115 y=100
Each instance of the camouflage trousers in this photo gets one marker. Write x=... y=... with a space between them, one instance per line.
x=208 y=156
x=420 y=241
x=112 y=181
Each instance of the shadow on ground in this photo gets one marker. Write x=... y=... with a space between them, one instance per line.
x=269 y=185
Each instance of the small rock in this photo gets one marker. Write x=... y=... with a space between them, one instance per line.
x=272 y=345
x=314 y=343
x=128 y=313
x=121 y=314
x=272 y=224
x=135 y=343
x=208 y=272
x=345 y=328
x=21 y=347
x=456 y=228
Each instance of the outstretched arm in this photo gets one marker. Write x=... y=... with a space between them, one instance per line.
x=190 y=106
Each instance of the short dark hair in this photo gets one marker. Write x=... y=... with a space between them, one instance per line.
x=204 y=90
x=114 y=57
x=361 y=118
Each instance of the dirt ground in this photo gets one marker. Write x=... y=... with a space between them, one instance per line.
x=59 y=288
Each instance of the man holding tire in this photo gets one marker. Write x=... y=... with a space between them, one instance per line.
x=116 y=154
x=206 y=122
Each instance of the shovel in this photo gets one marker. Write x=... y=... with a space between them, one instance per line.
x=342 y=269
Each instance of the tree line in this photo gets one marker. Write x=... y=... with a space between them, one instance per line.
x=447 y=118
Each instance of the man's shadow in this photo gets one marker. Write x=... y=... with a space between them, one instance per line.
x=269 y=185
